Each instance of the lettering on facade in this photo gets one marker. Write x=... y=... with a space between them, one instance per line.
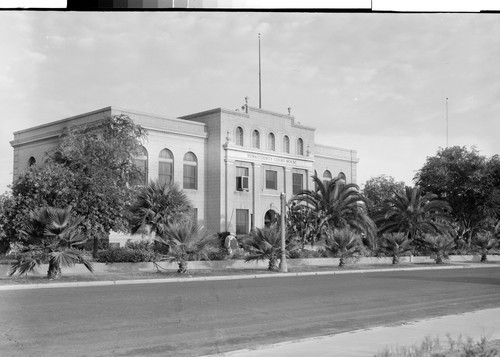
x=272 y=159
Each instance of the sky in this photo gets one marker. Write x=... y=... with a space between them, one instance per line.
x=374 y=83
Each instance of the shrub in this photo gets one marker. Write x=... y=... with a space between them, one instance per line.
x=139 y=245
x=307 y=253
x=343 y=243
x=133 y=252
x=484 y=243
x=439 y=246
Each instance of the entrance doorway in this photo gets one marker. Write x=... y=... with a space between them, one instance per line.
x=270 y=218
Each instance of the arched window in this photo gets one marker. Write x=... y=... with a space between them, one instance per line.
x=190 y=179
x=31 y=161
x=239 y=136
x=256 y=139
x=271 y=142
x=300 y=147
x=141 y=162
x=286 y=144
x=166 y=167
x=327 y=177
x=341 y=175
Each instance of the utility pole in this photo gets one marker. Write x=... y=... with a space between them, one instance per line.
x=283 y=266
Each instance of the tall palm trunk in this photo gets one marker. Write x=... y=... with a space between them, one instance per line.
x=341 y=262
x=484 y=259
x=54 y=271
x=183 y=267
x=395 y=259
x=273 y=262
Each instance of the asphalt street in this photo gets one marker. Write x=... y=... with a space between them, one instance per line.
x=197 y=318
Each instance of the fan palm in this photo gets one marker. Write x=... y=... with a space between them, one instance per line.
x=343 y=243
x=265 y=243
x=414 y=213
x=484 y=243
x=157 y=206
x=51 y=234
x=439 y=245
x=395 y=244
x=339 y=205
x=187 y=241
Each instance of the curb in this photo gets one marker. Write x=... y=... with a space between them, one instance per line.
x=227 y=277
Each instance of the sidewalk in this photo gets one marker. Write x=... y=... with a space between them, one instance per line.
x=360 y=343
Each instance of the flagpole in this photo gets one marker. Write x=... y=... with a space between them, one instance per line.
x=260 y=98
x=446 y=122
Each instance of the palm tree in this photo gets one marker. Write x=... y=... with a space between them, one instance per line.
x=339 y=205
x=484 y=243
x=265 y=243
x=51 y=234
x=343 y=243
x=157 y=206
x=395 y=244
x=414 y=213
x=439 y=245
x=187 y=241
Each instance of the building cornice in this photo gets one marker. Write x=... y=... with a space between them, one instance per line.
x=214 y=111
x=356 y=160
x=180 y=120
x=336 y=148
x=102 y=110
x=175 y=132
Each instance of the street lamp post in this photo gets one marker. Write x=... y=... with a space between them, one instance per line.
x=283 y=266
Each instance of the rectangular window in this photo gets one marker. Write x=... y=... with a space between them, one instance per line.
x=297 y=182
x=142 y=166
x=189 y=179
x=165 y=172
x=242 y=183
x=241 y=171
x=271 y=180
x=241 y=221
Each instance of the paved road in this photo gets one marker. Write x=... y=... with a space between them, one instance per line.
x=195 y=318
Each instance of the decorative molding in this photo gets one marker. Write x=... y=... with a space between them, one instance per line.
x=175 y=132
x=356 y=160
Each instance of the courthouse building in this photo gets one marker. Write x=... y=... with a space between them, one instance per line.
x=232 y=164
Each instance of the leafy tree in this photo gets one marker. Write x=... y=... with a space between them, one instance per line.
x=157 y=206
x=303 y=222
x=265 y=243
x=343 y=243
x=395 y=245
x=51 y=234
x=187 y=241
x=439 y=246
x=460 y=176
x=491 y=182
x=90 y=169
x=378 y=189
x=103 y=157
x=5 y=201
x=484 y=243
x=52 y=185
x=339 y=205
x=414 y=214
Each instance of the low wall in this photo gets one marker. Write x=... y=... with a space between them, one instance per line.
x=117 y=268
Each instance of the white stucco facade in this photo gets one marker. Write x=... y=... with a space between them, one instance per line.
x=241 y=160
